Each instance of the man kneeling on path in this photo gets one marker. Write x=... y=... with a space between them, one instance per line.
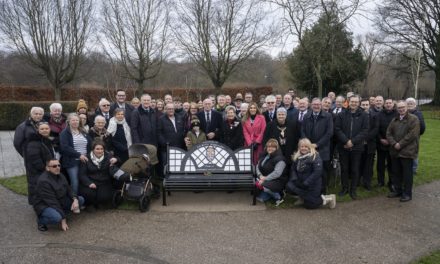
x=54 y=198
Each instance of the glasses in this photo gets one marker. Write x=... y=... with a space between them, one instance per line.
x=55 y=166
x=270 y=102
x=106 y=105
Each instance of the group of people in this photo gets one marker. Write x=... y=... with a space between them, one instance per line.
x=294 y=141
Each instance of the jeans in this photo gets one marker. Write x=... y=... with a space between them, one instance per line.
x=73 y=177
x=415 y=165
x=273 y=195
x=51 y=216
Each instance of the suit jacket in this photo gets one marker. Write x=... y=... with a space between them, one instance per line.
x=144 y=126
x=215 y=124
x=267 y=118
x=97 y=113
x=128 y=110
x=319 y=132
x=168 y=134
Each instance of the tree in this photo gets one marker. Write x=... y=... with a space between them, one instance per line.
x=49 y=34
x=409 y=25
x=301 y=15
x=219 y=35
x=137 y=34
x=338 y=63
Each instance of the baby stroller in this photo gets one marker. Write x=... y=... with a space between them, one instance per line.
x=139 y=188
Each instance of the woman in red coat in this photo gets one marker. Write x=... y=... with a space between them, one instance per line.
x=254 y=125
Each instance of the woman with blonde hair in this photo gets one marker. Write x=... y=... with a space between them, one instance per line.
x=254 y=126
x=305 y=177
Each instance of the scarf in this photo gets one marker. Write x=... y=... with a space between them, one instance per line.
x=302 y=162
x=113 y=126
x=101 y=133
x=95 y=160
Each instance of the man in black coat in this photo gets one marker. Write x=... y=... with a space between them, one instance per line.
x=317 y=126
x=27 y=129
x=351 y=129
x=283 y=131
x=120 y=103
x=144 y=123
x=271 y=113
x=288 y=104
x=54 y=198
x=383 y=155
x=210 y=120
x=369 y=145
x=103 y=110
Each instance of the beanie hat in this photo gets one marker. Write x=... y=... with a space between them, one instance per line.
x=195 y=122
x=81 y=104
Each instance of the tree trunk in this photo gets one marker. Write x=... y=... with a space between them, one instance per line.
x=436 y=100
x=140 y=89
x=57 y=91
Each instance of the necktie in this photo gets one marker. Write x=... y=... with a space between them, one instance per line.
x=301 y=116
x=271 y=116
x=208 y=121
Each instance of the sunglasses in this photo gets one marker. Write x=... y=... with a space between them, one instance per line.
x=106 y=105
x=55 y=166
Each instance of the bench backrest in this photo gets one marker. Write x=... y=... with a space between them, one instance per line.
x=209 y=157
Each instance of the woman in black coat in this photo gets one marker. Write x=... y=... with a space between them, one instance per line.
x=121 y=135
x=38 y=151
x=99 y=132
x=271 y=174
x=232 y=130
x=305 y=177
x=95 y=176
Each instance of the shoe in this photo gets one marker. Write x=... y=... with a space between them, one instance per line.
x=343 y=192
x=367 y=187
x=405 y=199
x=353 y=195
x=258 y=198
x=42 y=228
x=299 y=202
x=278 y=202
x=329 y=200
x=393 y=195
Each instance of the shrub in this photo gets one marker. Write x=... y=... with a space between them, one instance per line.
x=13 y=113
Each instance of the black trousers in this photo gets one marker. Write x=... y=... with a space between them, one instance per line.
x=102 y=194
x=350 y=168
x=367 y=163
x=326 y=165
x=383 y=156
x=403 y=176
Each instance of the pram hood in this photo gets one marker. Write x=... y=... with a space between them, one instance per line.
x=138 y=150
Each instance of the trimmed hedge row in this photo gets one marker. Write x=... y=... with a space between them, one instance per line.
x=13 y=113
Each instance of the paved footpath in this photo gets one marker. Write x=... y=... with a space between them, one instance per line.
x=376 y=230
x=11 y=163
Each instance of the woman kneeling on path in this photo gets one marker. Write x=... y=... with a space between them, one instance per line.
x=305 y=177
x=271 y=173
x=96 y=176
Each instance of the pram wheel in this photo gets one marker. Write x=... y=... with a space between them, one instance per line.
x=144 y=203
x=117 y=199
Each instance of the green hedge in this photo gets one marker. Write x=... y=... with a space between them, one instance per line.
x=13 y=113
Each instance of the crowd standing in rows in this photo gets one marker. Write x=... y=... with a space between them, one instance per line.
x=295 y=143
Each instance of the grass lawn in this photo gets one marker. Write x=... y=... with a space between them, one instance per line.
x=428 y=171
x=433 y=258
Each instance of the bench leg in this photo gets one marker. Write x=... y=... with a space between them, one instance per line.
x=254 y=197
x=164 y=197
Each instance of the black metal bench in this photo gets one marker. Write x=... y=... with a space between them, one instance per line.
x=209 y=166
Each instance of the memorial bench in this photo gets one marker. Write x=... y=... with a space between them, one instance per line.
x=209 y=166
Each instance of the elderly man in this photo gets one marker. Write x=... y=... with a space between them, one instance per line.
x=54 y=198
x=144 y=123
x=317 y=126
x=57 y=123
x=103 y=110
x=339 y=105
x=378 y=104
x=170 y=131
x=271 y=111
x=403 y=136
x=210 y=120
x=27 y=129
x=351 y=129
x=412 y=109
x=288 y=104
x=228 y=99
x=326 y=104
x=121 y=97
x=279 y=100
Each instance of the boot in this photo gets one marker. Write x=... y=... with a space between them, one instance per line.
x=330 y=200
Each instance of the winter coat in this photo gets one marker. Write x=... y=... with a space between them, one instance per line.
x=23 y=133
x=105 y=137
x=406 y=132
x=254 y=133
x=90 y=173
x=144 y=126
x=419 y=115
x=277 y=184
x=128 y=110
x=319 y=132
x=52 y=191
x=216 y=120
x=305 y=180
x=373 y=130
x=384 y=119
x=232 y=134
x=352 y=126
x=55 y=129
x=70 y=157
x=168 y=134
x=289 y=143
x=195 y=139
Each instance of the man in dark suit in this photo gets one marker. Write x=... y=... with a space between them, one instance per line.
x=144 y=123
x=103 y=110
x=210 y=120
x=271 y=113
x=120 y=103
x=170 y=131
x=317 y=126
